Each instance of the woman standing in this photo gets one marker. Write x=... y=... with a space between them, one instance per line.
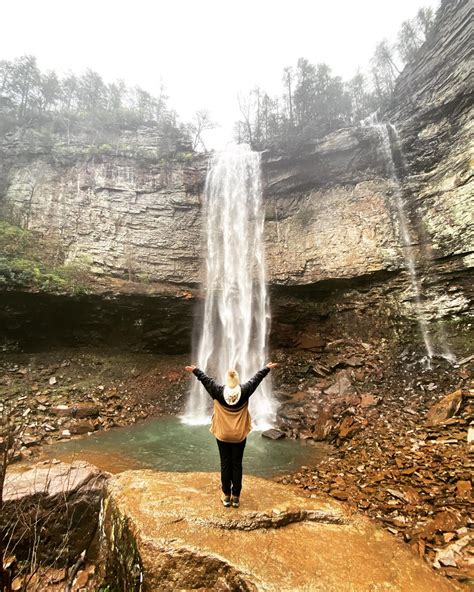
x=231 y=423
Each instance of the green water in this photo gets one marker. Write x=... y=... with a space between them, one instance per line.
x=166 y=444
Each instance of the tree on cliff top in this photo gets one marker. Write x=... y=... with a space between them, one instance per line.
x=314 y=102
x=29 y=97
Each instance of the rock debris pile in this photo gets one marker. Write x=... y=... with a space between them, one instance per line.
x=404 y=450
x=58 y=396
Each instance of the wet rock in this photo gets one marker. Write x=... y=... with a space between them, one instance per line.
x=79 y=410
x=273 y=434
x=77 y=427
x=169 y=531
x=445 y=409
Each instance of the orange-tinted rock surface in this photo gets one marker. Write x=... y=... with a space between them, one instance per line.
x=170 y=532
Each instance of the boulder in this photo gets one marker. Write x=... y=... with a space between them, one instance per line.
x=341 y=386
x=59 y=500
x=273 y=434
x=324 y=424
x=350 y=426
x=311 y=342
x=79 y=410
x=169 y=531
x=444 y=409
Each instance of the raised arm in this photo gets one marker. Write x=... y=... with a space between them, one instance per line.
x=251 y=385
x=209 y=384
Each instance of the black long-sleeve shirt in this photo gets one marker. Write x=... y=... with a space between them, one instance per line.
x=217 y=390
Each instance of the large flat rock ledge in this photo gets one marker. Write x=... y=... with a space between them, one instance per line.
x=169 y=531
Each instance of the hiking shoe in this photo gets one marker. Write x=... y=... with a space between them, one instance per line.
x=226 y=501
x=235 y=502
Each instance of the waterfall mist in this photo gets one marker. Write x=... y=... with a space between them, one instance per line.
x=236 y=317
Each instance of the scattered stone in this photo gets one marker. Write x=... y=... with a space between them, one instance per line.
x=273 y=434
x=311 y=342
x=350 y=426
x=52 y=380
x=342 y=386
x=80 y=410
x=81 y=579
x=406 y=494
x=446 y=408
x=30 y=440
x=464 y=489
x=444 y=557
x=369 y=401
x=470 y=435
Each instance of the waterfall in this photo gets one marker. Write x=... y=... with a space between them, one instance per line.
x=384 y=130
x=236 y=317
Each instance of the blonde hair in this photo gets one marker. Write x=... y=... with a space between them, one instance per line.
x=232 y=378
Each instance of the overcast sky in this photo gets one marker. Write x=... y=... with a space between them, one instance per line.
x=205 y=51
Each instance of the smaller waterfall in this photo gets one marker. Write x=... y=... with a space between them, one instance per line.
x=236 y=317
x=384 y=130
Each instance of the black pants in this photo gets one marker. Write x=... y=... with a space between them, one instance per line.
x=231 y=466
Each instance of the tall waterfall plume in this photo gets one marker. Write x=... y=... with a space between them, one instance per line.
x=236 y=317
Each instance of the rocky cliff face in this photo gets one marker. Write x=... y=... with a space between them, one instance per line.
x=131 y=209
x=128 y=210
x=328 y=211
x=432 y=109
x=332 y=215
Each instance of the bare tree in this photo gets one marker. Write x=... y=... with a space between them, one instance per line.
x=245 y=107
x=288 y=77
x=200 y=123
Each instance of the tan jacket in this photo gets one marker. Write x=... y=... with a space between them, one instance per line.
x=230 y=426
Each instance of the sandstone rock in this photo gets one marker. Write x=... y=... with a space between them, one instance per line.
x=463 y=489
x=470 y=435
x=168 y=531
x=79 y=410
x=369 y=400
x=446 y=520
x=311 y=342
x=446 y=408
x=350 y=426
x=78 y=427
x=60 y=500
x=273 y=434
x=406 y=493
x=342 y=386
x=323 y=425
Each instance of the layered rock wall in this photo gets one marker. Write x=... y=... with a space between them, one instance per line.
x=121 y=212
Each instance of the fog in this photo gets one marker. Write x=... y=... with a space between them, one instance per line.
x=204 y=52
